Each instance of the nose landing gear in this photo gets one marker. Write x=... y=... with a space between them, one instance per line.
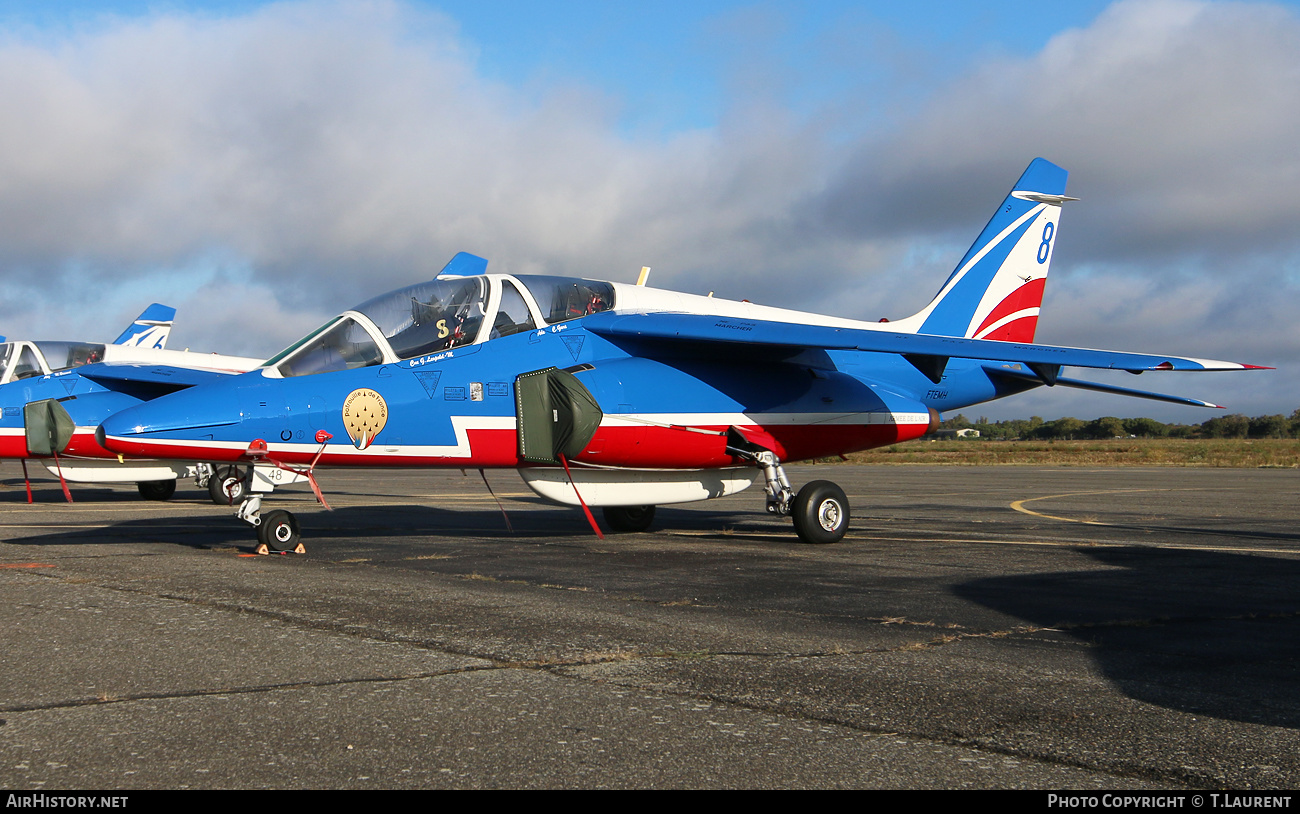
x=278 y=531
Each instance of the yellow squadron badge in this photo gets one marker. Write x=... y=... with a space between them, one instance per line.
x=364 y=415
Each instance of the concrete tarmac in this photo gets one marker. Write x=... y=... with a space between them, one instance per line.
x=1013 y=627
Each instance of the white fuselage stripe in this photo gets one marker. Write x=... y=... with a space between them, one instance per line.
x=462 y=424
x=1007 y=320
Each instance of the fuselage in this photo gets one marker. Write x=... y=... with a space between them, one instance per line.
x=664 y=406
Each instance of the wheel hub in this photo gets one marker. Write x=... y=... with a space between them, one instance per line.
x=829 y=515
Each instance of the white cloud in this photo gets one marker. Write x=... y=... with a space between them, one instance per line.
x=328 y=151
x=1176 y=119
x=338 y=148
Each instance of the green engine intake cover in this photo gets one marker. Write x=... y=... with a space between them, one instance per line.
x=48 y=427
x=557 y=415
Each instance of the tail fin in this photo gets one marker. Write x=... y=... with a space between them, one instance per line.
x=150 y=329
x=464 y=264
x=997 y=288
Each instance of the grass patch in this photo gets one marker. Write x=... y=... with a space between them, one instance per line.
x=1210 y=452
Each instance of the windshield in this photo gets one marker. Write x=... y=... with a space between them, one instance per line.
x=344 y=346
x=26 y=365
x=429 y=317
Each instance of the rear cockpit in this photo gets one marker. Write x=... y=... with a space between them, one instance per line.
x=440 y=315
x=23 y=359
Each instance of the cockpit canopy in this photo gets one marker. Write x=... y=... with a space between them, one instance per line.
x=429 y=317
x=19 y=360
x=440 y=315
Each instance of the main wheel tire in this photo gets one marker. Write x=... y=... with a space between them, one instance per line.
x=156 y=489
x=226 y=489
x=629 y=518
x=278 y=531
x=821 y=513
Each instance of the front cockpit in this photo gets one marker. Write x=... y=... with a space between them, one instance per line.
x=440 y=315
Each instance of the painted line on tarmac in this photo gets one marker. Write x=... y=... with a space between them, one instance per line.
x=38 y=508
x=1019 y=505
x=870 y=538
x=55 y=525
x=1094 y=544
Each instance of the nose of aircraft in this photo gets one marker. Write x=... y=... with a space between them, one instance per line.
x=179 y=425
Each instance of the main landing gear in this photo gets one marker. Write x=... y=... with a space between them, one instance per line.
x=156 y=489
x=629 y=518
x=820 y=510
x=226 y=485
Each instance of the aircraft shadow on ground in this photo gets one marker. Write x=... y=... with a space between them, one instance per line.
x=1206 y=632
x=394 y=521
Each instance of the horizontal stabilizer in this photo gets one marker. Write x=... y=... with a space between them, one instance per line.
x=702 y=328
x=1020 y=375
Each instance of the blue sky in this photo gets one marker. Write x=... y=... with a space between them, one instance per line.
x=263 y=165
x=667 y=64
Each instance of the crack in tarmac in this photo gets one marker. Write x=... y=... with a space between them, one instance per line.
x=561 y=667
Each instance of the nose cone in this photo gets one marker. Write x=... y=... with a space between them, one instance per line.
x=182 y=425
x=120 y=431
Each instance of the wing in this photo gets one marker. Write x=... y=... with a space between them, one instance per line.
x=928 y=353
x=711 y=329
x=148 y=380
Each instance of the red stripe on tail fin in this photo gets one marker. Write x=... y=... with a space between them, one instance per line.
x=1029 y=295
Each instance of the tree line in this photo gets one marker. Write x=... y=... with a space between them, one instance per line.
x=1066 y=429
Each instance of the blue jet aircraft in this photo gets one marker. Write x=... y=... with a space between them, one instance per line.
x=54 y=394
x=626 y=397
x=20 y=358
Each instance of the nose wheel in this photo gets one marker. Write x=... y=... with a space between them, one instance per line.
x=278 y=531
